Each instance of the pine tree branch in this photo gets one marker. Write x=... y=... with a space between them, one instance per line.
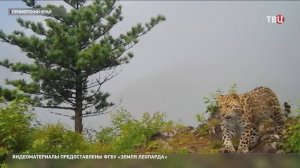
x=68 y=2
x=56 y=107
x=107 y=78
x=17 y=67
x=97 y=28
x=30 y=3
x=102 y=111
x=65 y=115
x=35 y=27
x=67 y=99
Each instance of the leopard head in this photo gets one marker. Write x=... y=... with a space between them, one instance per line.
x=230 y=106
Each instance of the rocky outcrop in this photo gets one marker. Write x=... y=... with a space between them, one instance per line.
x=269 y=143
x=207 y=138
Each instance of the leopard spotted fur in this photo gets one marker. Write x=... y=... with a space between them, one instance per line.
x=242 y=113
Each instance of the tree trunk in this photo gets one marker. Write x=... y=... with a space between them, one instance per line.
x=78 y=108
x=78 y=119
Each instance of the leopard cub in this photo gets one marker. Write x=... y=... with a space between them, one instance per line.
x=242 y=113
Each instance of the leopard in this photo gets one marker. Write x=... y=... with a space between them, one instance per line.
x=242 y=113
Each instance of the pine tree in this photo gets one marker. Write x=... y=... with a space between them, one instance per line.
x=69 y=48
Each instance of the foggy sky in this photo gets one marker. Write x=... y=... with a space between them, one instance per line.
x=200 y=48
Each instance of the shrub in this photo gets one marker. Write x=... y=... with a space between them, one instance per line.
x=57 y=139
x=291 y=142
x=3 y=165
x=201 y=118
x=211 y=101
x=14 y=127
x=107 y=135
x=128 y=133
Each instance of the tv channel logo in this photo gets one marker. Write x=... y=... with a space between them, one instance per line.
x=279 y=19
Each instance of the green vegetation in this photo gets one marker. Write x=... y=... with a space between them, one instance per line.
x=57 y=139
x=128 y=133
x=233 y=88
x=200 y=117
x=291 y=141
x=15 y=129
x=125 y=135
x=211 y=101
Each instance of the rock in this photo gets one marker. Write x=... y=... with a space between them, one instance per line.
x=270 y=147
x=161 y=135
x=158 y=136
x=216 y=132
x=261 y=128
x=264 y=137
x=267 y=148
x=276 y=136
x=163 y=146
x=287 y=109
x=190 y=129
x=268 y=143
x=274 y=145
x=273 y=138
x=280 y=152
